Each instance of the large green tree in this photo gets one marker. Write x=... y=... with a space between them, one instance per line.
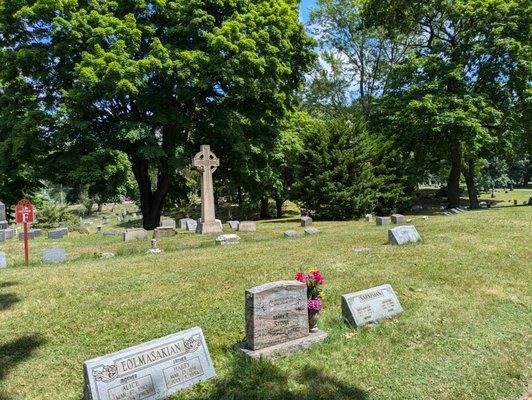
x=154 y=79
x=463 y=86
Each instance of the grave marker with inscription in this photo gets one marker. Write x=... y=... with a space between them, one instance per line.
x=192 y=225
x=54 y=256
x=152 y=370
x=167 y=223
x=277 y=320
x=403 y=234
x=370 y=305
x=183 y=223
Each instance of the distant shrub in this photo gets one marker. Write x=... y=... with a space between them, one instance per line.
x=51 y=216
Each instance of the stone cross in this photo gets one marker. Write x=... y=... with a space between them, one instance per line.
x=206 y=162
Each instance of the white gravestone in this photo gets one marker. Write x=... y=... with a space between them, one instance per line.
x=183 y=223
x=233 y=224
x=3 y=260
x=290 y=234
x=370 y=305
x=223 y=240
x=192 y=225
x=167 y=223
x=206 y=162
x=311 y=231
x=152 y=370
x=403 y=234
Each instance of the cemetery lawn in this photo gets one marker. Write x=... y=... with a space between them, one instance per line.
x=465 y=332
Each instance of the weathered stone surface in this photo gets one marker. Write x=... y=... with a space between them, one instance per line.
x=3 y=260
x=52 y=256
x=150 y=371
x=233 y=224
x=3 y=223
x=10 y=233
x=306 y=221
x=167 y=223
x=370 y=305
x=107 y=255
x=106 y=220
x=361 y=250
x=58 y=233
x=291 y=234
x=398 y=219
x=215 y=227
x=276 y=313
x=183 y=223
x=163 y=232
x=2 y=235
x=311 y=231
x=223 y=240
x=206 y=162
x=107 y=233
x=403 y=234
x=455 y=211
x=32 y=234
x=192 y=225
x=369 y=217
x=380 y=221
x=134 y=234
x=247 y=226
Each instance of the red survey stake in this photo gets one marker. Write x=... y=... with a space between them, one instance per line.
x=24 y=214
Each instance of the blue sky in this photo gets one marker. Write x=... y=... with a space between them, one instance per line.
x=304 y=9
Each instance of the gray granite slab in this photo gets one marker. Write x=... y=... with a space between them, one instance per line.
x=53 y=256
x=306 y=221
x=247 y=226
x=58 y=233
x=164 y=232
x=380 y=221
x=398 y=219
x=233 y=224
x=168 y=223
x=311 y=231
x=150 y=371
x=370 y=305
x=3 y=260
x=369 y=217
x=291 y=234
x=403 y=234
x=183 y=223
x=192 y=225
x=134 y=234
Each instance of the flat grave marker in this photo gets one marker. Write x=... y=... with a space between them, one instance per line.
x=370 y=305
x=291 y=234
x=311 y=231
x=150 y=371
x=403 y=234
x=228 y=239
x=277 y=320
x=58 y=233
x=54 y=256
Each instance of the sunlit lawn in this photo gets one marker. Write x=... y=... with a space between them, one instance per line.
x=465 y=332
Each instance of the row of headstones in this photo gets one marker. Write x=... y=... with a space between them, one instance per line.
x=10 y=233
x=276 y=323
x=49 y=256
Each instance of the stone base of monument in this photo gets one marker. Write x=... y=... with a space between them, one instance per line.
x=283 y=349
x=209 y=227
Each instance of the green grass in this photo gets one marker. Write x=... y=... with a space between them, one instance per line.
x=464 y=334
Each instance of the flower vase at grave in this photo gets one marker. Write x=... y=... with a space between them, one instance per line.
x=313 y=320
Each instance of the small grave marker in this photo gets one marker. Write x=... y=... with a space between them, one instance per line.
x=58 y=233
x=192 y=225
x=380 y=221
x=3 y=260
x=233 y=224
x=167 y=223
x=183 y=223
x=306 y=221
x=370 y=305
x=312 y=231
x=277 y=320
x=247 y=226
x=398 y=219
x=223 y=240
x=150 y=371
x=3 y=220
x=135 y=234
x=291 y=234
x=403 y=234
x=54 y=256
x=369 y=217
x=164 y=232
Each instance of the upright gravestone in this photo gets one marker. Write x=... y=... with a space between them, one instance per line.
x=54 y=256
x=306 y=221
x=192 y=225
x=3 y=219
x=370 y=305
x=2 y=235
x=277 y=320
x=398 y=219
x=150 y=371
x=134 y=234
x=3 y=260
x=183 y=223
x=58 y=233
x=206 y=162
x=163 y=232
x=233 y=224
x=403 y=234
x=247 y=226
x=369 y=217
x=380 y=221
x=167 y=223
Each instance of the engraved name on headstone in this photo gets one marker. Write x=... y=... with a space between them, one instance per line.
x=403 y=234
x=370 y=305
x=152 y=370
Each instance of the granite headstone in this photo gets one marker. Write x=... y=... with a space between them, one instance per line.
x=150 y=371
x=233 y=224
x=380 y=221
x=134 y=234
x=397 y=219
x=403 y=234
x=306 y=221
x=161 y=232
x=53 y=256
x=247 y=226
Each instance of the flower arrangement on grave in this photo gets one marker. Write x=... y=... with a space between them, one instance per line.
x=314 y=281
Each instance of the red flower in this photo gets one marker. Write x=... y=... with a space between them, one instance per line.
x=300 y=276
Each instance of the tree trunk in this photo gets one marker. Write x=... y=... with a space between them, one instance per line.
x=264 y=208
x=151 y=202
x=453 y=184
x=279 y=207
x=469 y=174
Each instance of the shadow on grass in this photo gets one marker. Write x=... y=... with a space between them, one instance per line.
x=7 y=300
x=262 y=380
x=7 y=284
x=15 y=352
